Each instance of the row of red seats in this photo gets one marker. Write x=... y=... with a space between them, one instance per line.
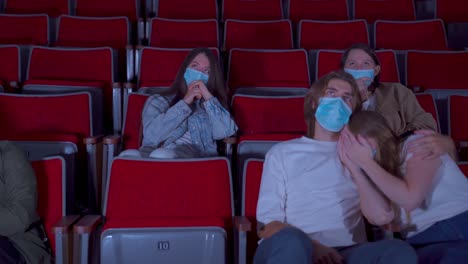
x=252 y=177
x=52 y=70
x=69 y=118
x=157 y=67
x=296 y=10
x=172 y=211
x=262 y=121
x=167 y=33
x=132 y=9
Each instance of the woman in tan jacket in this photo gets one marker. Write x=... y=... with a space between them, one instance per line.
x=396 y=103
x=19 y=242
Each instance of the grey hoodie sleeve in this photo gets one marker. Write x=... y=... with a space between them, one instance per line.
x=18 y=205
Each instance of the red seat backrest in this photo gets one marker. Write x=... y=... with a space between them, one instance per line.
x=170 y=33
x=252 y=179
x=452 y=11
x=418 y=35
x=94 y=64
x=252 y=10
x=132 y=130
x=155 y=189
x=273 y=34
x=53 y=8
x=24 y=29
x=372 y=10
x=325 y=10
x=331 y=34
x=76 y=31
x=108 y=8
x=45 y=114
x=428 y=104
x=51 y=197
x=464 y=168
x=10 y=68
x=268 y=68
x=269 y=114
x=458 y=109
x=187 y=9
x=159 y=66
x=437 y=70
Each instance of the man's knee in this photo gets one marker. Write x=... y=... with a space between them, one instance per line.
x=294 y=238
x=288 y=244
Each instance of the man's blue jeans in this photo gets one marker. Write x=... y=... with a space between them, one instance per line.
x=444 y=242
x=290 y=245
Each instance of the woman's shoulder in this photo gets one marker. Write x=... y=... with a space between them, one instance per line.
x=393 y=86
x=396 y=90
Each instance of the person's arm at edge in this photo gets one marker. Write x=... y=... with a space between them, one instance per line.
x=271 y=205
x=17 y=212
x=411 y=191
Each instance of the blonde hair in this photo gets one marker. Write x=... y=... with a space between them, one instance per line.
x=373 y=125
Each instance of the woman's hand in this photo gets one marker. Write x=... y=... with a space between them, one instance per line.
x=357 y=148
x=431 y=146
x=204 y=90
x=193 y=91
x=344 y=157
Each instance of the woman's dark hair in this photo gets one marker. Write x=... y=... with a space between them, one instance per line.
x=215 y=81
x=368 y=51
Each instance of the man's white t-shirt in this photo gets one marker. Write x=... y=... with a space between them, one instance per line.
x=305 y=185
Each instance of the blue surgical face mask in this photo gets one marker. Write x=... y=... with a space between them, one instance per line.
x=192 y=75
x=358 y=74
x=332 y=113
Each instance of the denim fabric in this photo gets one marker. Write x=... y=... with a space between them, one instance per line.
x=384 y=251
x=444 y=242
x=452 y=229
x=206 y=121
x=291 y=245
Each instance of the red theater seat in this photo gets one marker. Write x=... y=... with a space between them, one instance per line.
x=272 y=34
x=186 y=203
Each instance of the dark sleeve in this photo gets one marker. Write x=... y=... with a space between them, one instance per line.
x=18 y=208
